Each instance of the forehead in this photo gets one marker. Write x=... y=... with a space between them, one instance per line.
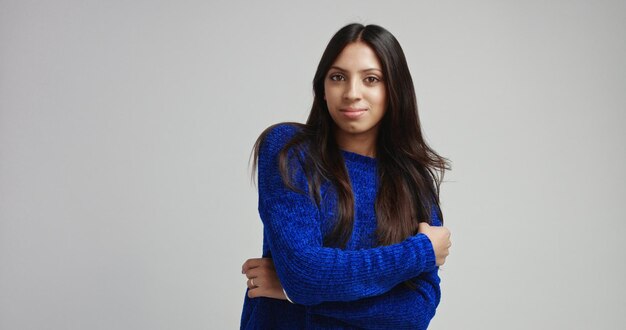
x=357 y=56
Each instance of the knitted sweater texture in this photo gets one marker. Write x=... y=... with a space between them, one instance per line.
x=357 y=287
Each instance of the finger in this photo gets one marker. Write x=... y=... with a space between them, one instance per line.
x=251 y=263
x=252 y=293
x=253 y=283
x=256 y=292
x=253 y=272
x=256 y=262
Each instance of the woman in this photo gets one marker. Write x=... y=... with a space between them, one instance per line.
x=353 y=233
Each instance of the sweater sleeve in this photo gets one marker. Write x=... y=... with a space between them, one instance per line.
x=309 y=272
x=400 y=308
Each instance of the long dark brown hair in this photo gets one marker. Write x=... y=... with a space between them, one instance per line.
x=410 y=172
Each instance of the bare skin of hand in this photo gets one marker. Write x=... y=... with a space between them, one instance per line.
x=262 y=279
x=440 y=239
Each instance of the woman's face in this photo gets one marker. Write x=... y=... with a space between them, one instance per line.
x=354 y=91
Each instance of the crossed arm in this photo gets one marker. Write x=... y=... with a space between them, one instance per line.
x=353 y=286
x=414 y=307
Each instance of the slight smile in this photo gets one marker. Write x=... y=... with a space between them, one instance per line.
x=352 y=113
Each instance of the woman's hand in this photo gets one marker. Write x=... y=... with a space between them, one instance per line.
x=262 y=279
x=440 y=238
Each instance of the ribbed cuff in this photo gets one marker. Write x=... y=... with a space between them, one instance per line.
x=427 y=253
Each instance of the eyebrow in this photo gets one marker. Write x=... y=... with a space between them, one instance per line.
x=365 y=70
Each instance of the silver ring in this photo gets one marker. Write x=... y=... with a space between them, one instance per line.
x=252 y=281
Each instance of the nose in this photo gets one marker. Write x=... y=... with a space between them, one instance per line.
x=353 y=90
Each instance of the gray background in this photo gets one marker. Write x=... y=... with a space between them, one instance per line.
x=126 y=126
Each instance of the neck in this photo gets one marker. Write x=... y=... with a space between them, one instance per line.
x=359 y=143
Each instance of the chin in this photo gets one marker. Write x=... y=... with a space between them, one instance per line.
x=355 y=129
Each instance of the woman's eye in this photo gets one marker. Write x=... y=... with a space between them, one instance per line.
x=372 y=80
x=336 y=77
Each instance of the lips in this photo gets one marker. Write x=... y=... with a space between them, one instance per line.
x=352 y=113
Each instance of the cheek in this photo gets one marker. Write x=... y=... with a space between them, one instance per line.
x=327 y=93
x=379 y=97
x=330 y=95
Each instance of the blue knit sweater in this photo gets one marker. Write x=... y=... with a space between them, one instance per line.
x=352 y=288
